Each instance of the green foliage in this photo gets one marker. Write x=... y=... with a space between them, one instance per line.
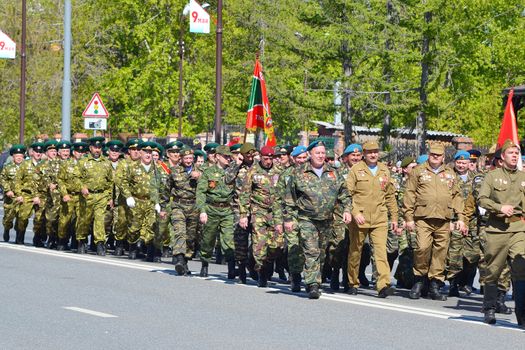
x=128 y=51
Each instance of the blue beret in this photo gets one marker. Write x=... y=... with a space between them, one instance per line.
x=462 y=155
x=314 y=144
x=354 y=147
x=422 y=158
x=298 y=150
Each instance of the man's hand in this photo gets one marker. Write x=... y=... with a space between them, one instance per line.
x=36 y=201
x=393 y=227
x=347 y=218
x=243 y=223
x=203 y=218
x=288 y=226
x=20 y=199
x=52 y=187
x=411 y=226
x=66 y=198
x=359 y=219
x=111 y=204
x=85 y=192
x=461 y=227
x=195 y=174
x=238 y=159
x=279 y=229
x=10 y=194
x=507 y=210
x=163 y=215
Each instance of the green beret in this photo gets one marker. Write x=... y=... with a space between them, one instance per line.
x=330 y=154
x=133 y=143
x=17 y=149
x=38 y=147
x=115 y=145
x=81 y=147
x=173 y=147
x=97 y=141
x=50 y=144
x=235 y=148
x=211 y=147
x=148 y=146
x=158 y=148
x=247 y=147
x=283 y=150
x=314 y=144
x=199 y=153
x=223 y=150
x=407 y=161
x=64 y=144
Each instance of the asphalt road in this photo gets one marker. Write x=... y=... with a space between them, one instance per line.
x=61 y=300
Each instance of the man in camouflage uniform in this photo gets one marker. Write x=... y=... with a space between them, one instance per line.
x=7 y=182
x=432 y=196
x=311 y=194
x=463 y=250
x=373 y=193
x=173 y=153
x=210 y=150
x=96 y=177
x=163 y=223
x=142 y=196
x=238 y=171
x=179 y=190
x=113 y=148
x=259 y=201
x=294 y=251
x=69 y=187
x=502 y=195
x=29 y=196
x=214 y=201
x=121 y=176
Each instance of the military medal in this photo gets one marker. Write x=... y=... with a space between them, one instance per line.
x=212 y=184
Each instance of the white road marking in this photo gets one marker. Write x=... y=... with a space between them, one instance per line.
x=342 y=298
x=89 y=312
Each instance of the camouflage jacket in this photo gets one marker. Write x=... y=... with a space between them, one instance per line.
x=236 y=174
x=143 y=183
x=7 y=177
x=27 y=180
x=96 y=174
x=259 y=192
x=122 y=176
x=284 y=178
x=315 y=197
x=68 y=178
x=179 y=185
x=48 y=175
x=213 y=188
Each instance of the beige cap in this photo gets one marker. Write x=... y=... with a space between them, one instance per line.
x=437 y=148
x=370 y=145
x=508 y=144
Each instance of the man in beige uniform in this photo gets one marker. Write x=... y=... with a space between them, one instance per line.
x=432 y=196
x=372 y=192
x=502 y=196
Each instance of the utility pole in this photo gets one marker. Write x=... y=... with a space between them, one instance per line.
x=218 y=75
x=23 y=74
x=181 y=59
x=66 y=83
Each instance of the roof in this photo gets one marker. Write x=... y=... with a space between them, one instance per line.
x=401 y=131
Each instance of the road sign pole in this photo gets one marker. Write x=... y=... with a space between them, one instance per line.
x=23 y=74
x=66 y=84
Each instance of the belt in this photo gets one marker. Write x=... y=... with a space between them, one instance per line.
x=508 y=220
x=97 y=191
x=27 y=191
x=184 y=201
x=220 y=205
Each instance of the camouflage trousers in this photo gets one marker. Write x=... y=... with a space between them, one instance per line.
x=68 y=217
x=143 y=217
x=295 y=250
x=241 y=238
x=52 y=211
x=267 y=244
x=460 y=247
x=338 y=244
x=10 y=212
x=164 y=232
x=184 y=222
x=25 y=209
x=220 y=221
x=504 y=279
x=313 y=235
x=116 y=222
x=92 y=211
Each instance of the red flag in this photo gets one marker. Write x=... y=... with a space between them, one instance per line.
x=259 y=116
x=509 y=128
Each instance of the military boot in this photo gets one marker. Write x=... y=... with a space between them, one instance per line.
x=263 y=277
x=231 y=269
x=519 y=300
x=314 y=292
x=489 y=303
x=6 y=235
x=81 y=247
x=150 y=252
x=62 y=245
x=501 y=308
x=454 y=288
x=204 y=269
x=415 y=292
x=334 y=280
x=119 y=248
x=101 y=249
x=296 y=282
x=178 y=261
x=186 y=267
x=242 y=272
x=434 y=293
x=19 y=237
x=132 y=254
x=166 y=252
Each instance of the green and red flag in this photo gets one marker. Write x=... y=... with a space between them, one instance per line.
x=259 y=117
